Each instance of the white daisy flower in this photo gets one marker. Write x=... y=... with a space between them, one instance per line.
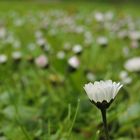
x=41 y=42
x=3 y=59
x=102 y=41
x=125 y=79
x=42 y=61
x=134 y=35
x=90 y=76
x=2 y=32
x=61 y=55
x=99 y=17
x=133 y=64
x=16 y=55
x=74 y=62
x=102 y=91
x=77 y=49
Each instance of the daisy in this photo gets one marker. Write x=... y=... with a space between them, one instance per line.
x=102 y=91
x=77 y=49
x=133 y=64
x=102 y=94
x=3 y=59
x=42 y=61
x=73 y=63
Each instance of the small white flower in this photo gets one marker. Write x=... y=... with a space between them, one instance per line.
x=16 y=44
x=41 y=42
x=103 y=41
x=133 y=64
x=74 y=62
x=2 y=32
x=109 y=15
x=3 y=59
x=77 y=49
x=125 y=79
x=16 y=55
x=61 y=55
x=123 y=74
x=38 y=34
x=99 y=17
x=134 y=35
x=90 y=76
x=102 y=90
x=42 y=61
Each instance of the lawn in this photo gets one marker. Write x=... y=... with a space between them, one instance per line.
x=48 y=102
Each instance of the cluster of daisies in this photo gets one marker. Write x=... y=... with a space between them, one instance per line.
x=53 y=23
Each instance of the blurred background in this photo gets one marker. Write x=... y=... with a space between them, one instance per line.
x=49 y=50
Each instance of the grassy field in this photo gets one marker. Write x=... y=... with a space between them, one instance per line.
x=50 y=103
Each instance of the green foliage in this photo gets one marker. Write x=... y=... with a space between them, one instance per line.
x=34 y=108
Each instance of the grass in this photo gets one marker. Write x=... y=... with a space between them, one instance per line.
x=33 y=106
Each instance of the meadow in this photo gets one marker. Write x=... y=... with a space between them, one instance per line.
x=49 y=51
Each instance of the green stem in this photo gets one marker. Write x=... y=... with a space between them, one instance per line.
x=103 y=111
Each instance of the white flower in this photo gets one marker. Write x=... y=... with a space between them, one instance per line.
x=133 y=64
x=42 y=61
x=2 y=32
x=90 y=76
x=102 y=90
x=3 y=58
x=109 y=15
x=61 y=55
x=102 y=40
x=134 y=35
x=74 y=62
x=77 y=49
x=16 y=44
x=16 y=55
x=125 y=78
x=99 y=17
x=41 y=42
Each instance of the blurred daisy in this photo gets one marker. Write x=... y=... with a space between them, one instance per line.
x=42 y=61
x=3 y=59
x=77 y=49
x=90 y=76
x=38 y=34
x=134 y=35
x=125 y=79
x=102 y=41
x=123 y=34
x=16 y=44
x=73 y=63
x=2 y=32
x=17 y=55
x=109 y=15
x=61 y=55
x=41 y=42
x=133 y=64
x=99 y=17
x=134 y=44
